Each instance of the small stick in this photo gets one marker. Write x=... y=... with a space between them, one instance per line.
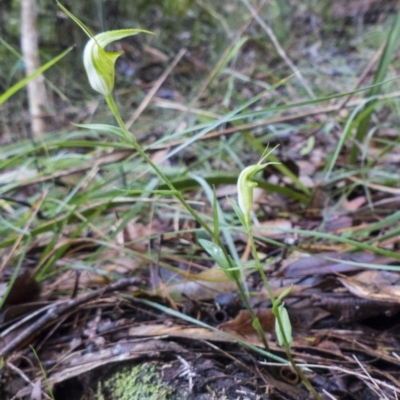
x=215 y=70
x=275 y=120
x=59 y=309
x=279 y=48
x=154 y=89
x=364 y=74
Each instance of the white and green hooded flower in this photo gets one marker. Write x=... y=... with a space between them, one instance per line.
x=99 y=63
x=246 y=184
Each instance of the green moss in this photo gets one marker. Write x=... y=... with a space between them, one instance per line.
x=136 y=383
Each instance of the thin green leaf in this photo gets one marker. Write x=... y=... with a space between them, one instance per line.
x=238 y=212
x=19 y=85
x=390 y=48
x=283 y=294
x=215 y=215
x=113 y=130
x=286 y=326
x=217 y=254
x=194 y=321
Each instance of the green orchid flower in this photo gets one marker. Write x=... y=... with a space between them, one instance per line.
x=99 y=63
x=246 y=184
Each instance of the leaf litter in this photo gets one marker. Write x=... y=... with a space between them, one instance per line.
x=86 y=268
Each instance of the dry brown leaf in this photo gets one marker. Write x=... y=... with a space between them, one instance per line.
x=355 y=204
x=136 y=236
x=330 y=346
x=273 y=228
x=24 y=290
x=242 y=324
x=319 y=265
x=157 y=330
x=178 y=331
x=203 y=286
x=374 y=285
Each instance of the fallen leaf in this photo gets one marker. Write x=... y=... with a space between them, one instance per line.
x=203 y=286
x=273 y=228
x=355 y=204
x=24 y=290
x=243 y=324
x=329 y=263
x=374 y=285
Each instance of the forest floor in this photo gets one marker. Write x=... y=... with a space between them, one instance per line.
x=107 y=292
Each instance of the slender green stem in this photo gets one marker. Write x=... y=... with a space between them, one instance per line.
x=256 y=322
x=130 y=138
x=258 y=264
x=270 y=292
x=301 y=374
